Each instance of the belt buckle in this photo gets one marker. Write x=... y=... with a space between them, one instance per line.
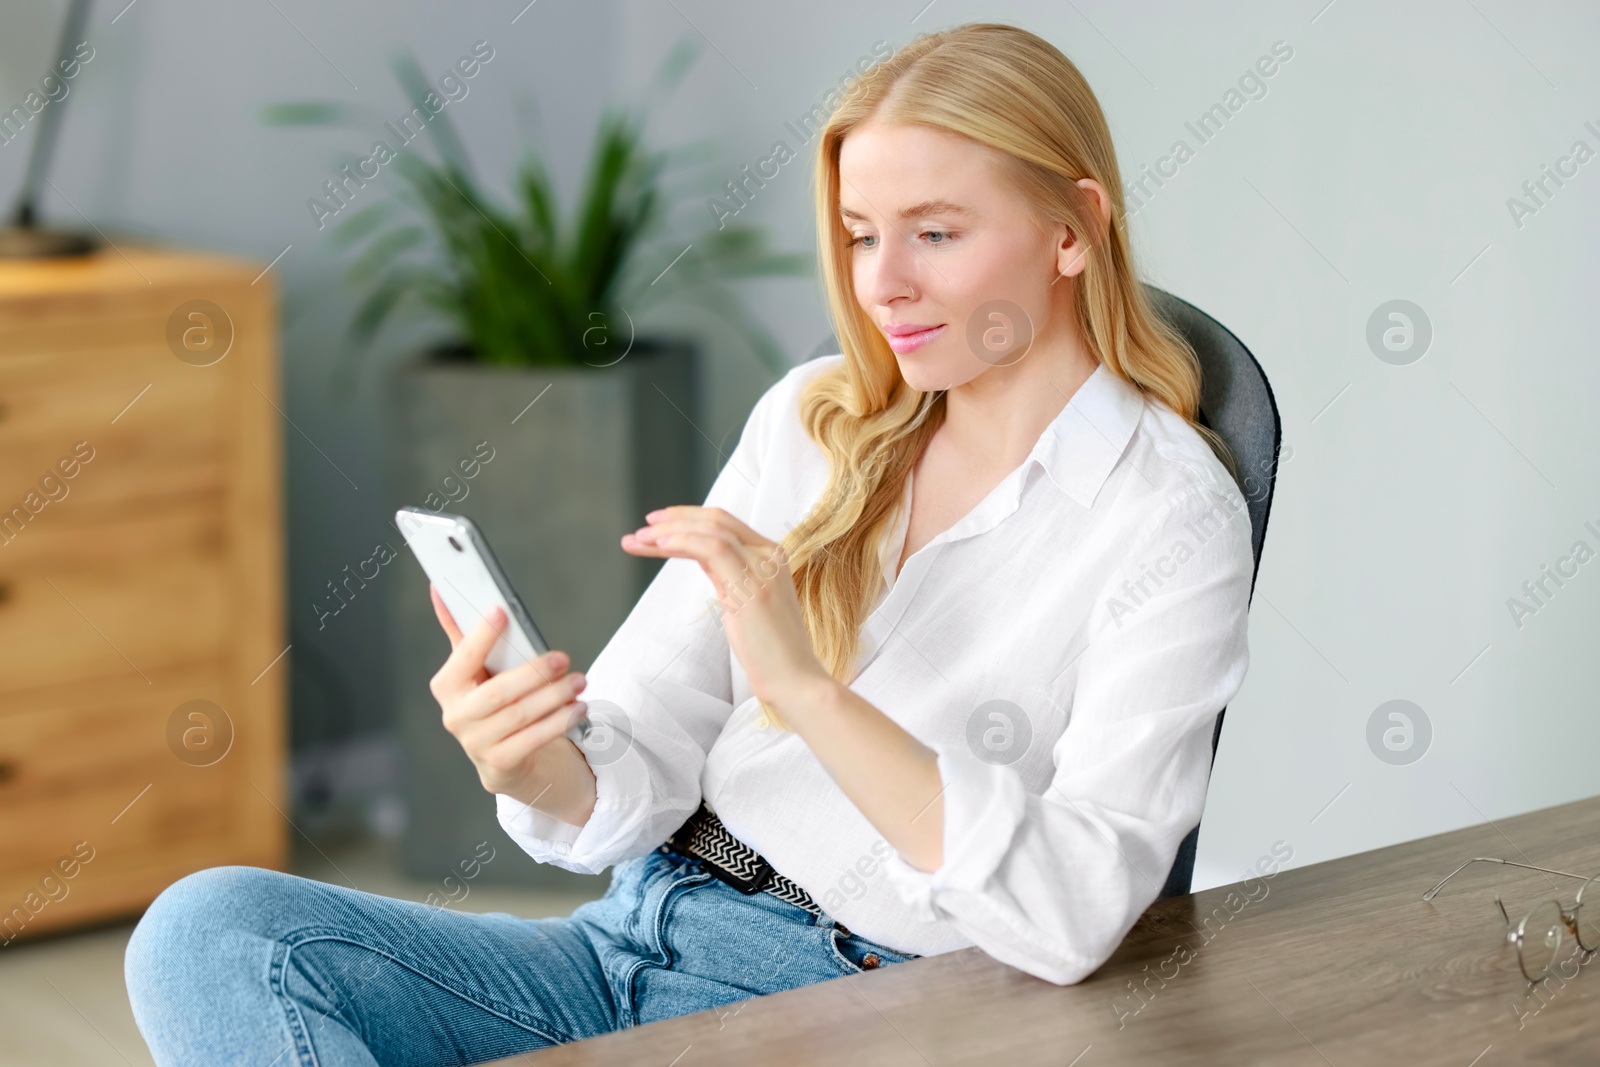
x=747 y=887
x=682 y=841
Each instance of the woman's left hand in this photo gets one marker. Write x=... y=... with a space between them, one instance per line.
x=755 y=589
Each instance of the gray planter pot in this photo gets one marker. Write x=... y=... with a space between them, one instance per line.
x=553 y=486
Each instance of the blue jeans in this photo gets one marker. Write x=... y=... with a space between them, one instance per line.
x=243 y=965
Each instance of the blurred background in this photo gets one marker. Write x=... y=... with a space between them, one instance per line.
x=549 y=301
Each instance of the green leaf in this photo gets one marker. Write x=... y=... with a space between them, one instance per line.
x=308 y=113
x=440 y=127
x=538 y=198
x=375 y=309
x=672 y=69
x=369 y=318
x=382 y=251
x=353 y=229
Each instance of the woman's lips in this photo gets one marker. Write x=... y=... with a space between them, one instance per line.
x=910 y=342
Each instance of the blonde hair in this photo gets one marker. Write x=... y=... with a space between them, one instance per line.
x=1012 y=91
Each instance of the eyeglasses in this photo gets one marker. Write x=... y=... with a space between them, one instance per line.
x=1541 y=933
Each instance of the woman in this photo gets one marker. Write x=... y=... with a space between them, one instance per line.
x=968 y=699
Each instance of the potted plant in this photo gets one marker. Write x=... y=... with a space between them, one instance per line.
x=541 y=413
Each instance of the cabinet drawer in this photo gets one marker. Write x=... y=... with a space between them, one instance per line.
x=114 y=536
x=92 y=762
x=119 y=622
x=35 y=333
x=149 y=426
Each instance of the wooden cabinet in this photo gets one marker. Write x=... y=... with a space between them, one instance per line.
x=143 y=672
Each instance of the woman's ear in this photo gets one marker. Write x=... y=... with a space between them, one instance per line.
x=1072 y=255
x=1101 y=198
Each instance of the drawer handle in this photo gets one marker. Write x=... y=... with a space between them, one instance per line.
x=8 y=771
x=5 y=591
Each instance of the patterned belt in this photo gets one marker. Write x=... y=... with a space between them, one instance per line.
x=702 y=837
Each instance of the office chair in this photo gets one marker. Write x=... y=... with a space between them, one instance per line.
x=1236 y=402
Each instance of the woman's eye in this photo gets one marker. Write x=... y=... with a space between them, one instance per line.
x=945 y=234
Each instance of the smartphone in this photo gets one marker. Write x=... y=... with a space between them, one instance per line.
x=458 y=561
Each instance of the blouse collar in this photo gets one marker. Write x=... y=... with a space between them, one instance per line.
x=1081 y=446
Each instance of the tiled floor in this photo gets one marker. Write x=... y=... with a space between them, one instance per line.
x=63 y=1002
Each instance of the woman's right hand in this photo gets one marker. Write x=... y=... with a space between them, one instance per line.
x=503 y=721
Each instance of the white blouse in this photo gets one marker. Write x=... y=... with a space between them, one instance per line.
x=1065 y=648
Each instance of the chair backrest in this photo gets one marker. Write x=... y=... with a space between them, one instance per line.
x=1235 y=401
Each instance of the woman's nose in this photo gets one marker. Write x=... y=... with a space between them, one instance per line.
x=894 y=270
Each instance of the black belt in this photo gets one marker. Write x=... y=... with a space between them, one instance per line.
x=702 y=837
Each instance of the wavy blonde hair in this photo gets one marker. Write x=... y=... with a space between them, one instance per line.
x=1013 y=91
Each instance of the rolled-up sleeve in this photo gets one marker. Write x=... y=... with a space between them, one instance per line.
x=1052 y=883
x=659 y=694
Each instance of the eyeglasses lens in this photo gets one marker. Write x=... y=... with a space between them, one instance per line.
x=1542 y=934
x=1588 y=914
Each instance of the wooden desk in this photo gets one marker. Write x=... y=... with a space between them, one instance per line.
x=1337 y=963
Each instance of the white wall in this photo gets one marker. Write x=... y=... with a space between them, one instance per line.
x=1377 y=167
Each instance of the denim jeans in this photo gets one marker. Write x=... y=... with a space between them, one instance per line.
x=243 y=965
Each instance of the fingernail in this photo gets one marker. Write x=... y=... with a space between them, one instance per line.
x=578 y=681
x=558 y=660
